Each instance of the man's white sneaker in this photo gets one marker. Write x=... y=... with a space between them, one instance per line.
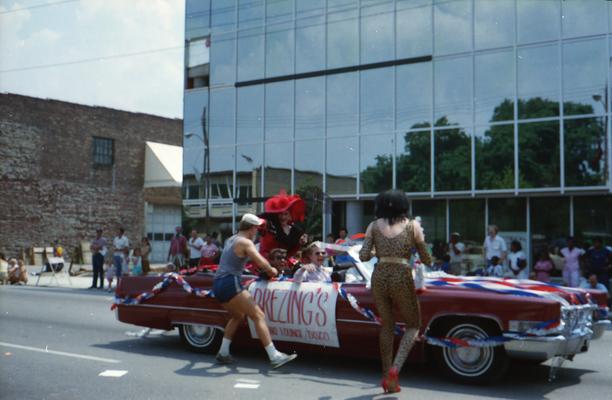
x=282 y=359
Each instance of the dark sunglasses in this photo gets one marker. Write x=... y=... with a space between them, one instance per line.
x=320 y=253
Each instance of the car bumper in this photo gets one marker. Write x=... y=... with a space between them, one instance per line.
x=546 y=347
x=599 y=328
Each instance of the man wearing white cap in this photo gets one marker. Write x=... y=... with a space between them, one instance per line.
x=455 y=252
x=229 y=291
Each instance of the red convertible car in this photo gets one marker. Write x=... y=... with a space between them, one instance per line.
x=471 y=327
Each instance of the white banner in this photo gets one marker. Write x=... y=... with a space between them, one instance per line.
x=298 y=312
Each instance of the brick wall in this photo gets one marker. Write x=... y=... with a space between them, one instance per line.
x=50 y=189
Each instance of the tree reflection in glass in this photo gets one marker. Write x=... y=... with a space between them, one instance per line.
x=452 y=158
x=585 y=152
x=539 y=164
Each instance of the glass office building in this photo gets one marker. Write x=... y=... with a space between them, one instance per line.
x=484 y=112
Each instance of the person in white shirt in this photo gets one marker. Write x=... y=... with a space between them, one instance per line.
x=494 y=246
x=495 y=269
x=571 y=263
x=314 y=271
x=518 y=261
x=455 y=252
x=195 y=244
x=121 y=244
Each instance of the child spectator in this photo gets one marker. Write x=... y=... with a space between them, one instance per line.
x=543 y=267
x=110 y=274
x=136 y=260
x=495 y=268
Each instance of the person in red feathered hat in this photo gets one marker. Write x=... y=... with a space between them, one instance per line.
x=281 y=212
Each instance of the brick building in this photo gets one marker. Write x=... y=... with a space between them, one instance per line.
x=66 y=169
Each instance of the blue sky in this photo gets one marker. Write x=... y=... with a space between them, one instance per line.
x=32 y=37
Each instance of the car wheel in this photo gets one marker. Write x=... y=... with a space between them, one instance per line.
x=473 y=365
x=201 y=338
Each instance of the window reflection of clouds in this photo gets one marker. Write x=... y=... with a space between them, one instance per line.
x=309 y=163
x=377 y=39
x=377 y=100
x=493 y=23
x=278 y=161
x=310 y=107
x=585 y=73
x=279 y=38
x=376 y=163
x=452 y=26
x=342 y=104
x=310 y=44
x=279 y=111
x=249 y=122
x=197 y=18
x=250 y=40
x=453 y=91
x=538 y=77
x=223 y=16
x=342 y=39
x=494 y=85
x=413 y=91
x=342 y=165
x=538 y=20
x=222 y=59
x=413 y=28
x=584 y=17
x=222 y=116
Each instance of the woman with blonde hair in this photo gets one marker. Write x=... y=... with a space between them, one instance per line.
x=392 y=237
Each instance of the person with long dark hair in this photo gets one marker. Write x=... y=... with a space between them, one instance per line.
x=282 y=212
x=393 y=236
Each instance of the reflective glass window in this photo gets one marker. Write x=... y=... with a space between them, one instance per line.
x=538 y=82
x=222 y=59
x=250 y=54
x=453 y=26
x=377 y=39
x=279 y=111
x=342 y=38
x=310 y=107
x=250 y=14
x=494 y=98
x=309 y=8
x=494 y=146
x=452 y=160
x=453 y=91
x=413 y=95
x=539 y=154
x=585 y=77
x=222 y=116
x=342 y=165
x=193 y=163
x=538 y=20
x=310 y=44
x=194 y=105
x=249 y=121
x=433 y=221
x=279 y=37
x=309 y=165
x=510 y=215
x=585 y=152
x=413 y=161
x=413 y=28
x=222 y=172
x=278 y=161
x=584 y=17
x=377 y=89
x=197 y=18
x=342 y=104
x=493 y=23
x=376 y=163
x=249 y=165
x=592 y=218
x=223 y=16
x=549 y=223
x=467 y=217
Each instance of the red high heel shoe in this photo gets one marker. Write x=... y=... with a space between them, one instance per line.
x=391 y=384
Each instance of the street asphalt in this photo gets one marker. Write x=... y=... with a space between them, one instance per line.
x=55 y=342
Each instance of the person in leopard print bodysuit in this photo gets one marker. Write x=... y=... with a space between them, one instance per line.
x=391 y=238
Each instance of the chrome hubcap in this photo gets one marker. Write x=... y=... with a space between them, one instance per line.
x=199 y=335
x=468 y=361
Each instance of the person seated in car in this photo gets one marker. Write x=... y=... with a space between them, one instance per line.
x=314 y=271
x=278 y=259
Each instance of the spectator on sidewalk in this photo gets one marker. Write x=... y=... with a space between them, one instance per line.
x=98 y=248
x=518 y=261
x=543 y=267
x=593 y=283
x=342 y=236
x=494 y=246
x=598 y=260
x=210 y=251
x=495 y=269
x=455 y=252
x=121 y=246
x=17 y=273
x=3 y=270
x=136 y=261
x=571 y=263
x=110 y=274
x=178 y=248
x=195 y=245
x=145 y=250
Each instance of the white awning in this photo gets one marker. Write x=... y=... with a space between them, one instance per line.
x=163 y=165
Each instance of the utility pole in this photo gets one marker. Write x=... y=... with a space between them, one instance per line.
x=206 y=171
